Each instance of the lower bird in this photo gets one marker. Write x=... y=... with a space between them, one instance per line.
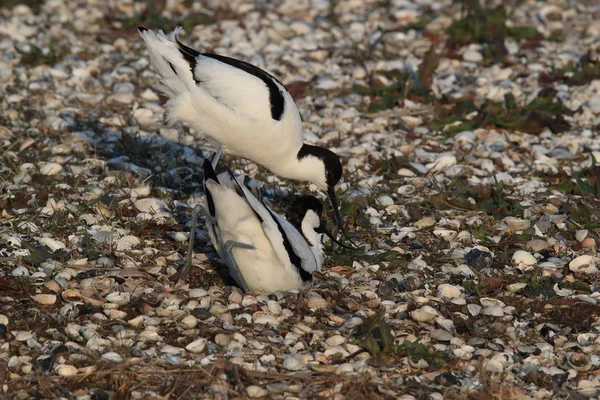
x=264 y=251
x=243 y=109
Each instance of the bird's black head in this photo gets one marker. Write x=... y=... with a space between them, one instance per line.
x=331 y=162
x=299 y=207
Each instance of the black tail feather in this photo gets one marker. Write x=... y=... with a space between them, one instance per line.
x=209 y=173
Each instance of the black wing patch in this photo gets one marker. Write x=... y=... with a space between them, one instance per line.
x=296 y=261
x=189 y=55
x=275 y=96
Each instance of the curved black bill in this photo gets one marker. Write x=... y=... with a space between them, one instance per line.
x=323 y=229
x=338 y=217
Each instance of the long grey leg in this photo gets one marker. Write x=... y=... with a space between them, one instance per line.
x=183 y=272
x=239 y=277
x=216 y=157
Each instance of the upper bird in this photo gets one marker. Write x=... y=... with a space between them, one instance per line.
x=244 y=109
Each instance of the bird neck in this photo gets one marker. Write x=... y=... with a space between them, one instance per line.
x=302 y=167
x=313 y=238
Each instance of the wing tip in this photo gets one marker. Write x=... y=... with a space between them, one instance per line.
x=209 y=172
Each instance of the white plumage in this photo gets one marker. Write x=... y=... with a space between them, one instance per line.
x=264 y=251
x=244 y=109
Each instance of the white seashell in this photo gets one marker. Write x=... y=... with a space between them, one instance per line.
x=442 y=163
x=488 y=301
x=494 y=311
x=66 y=370
x=474 y=309
x=465 y=352
x=189 y=322
x=493 y=366
x=441 y=335
x=127 y=242
x=149 y=335
x=517 y=224
x=49 y=168
x=537 y=245
x=3 y=319
x=424 y=314
x=583 y=264
x=112 y=356
x=448 y=291
x=141 y=191
x=581 y=234
x=446 y=234
x=406 y=190
x=151 y=205
x=292 y=363
x=385 y=201
x=273 y=307
x=335 y=340
x=587 y=388
x=425 y=222
x=44 y=299
x=266 y=319
x=23 y=336
x=197 y=346
x=180 y=236
x=20 y=271
x=52 y=244
x=316 y=302
x=522 y=257
x=115 y=314
x=119 y=298
x=472 y=56
x=254 y=391
x=515 y=287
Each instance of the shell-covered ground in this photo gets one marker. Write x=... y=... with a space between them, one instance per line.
x=469 y=136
